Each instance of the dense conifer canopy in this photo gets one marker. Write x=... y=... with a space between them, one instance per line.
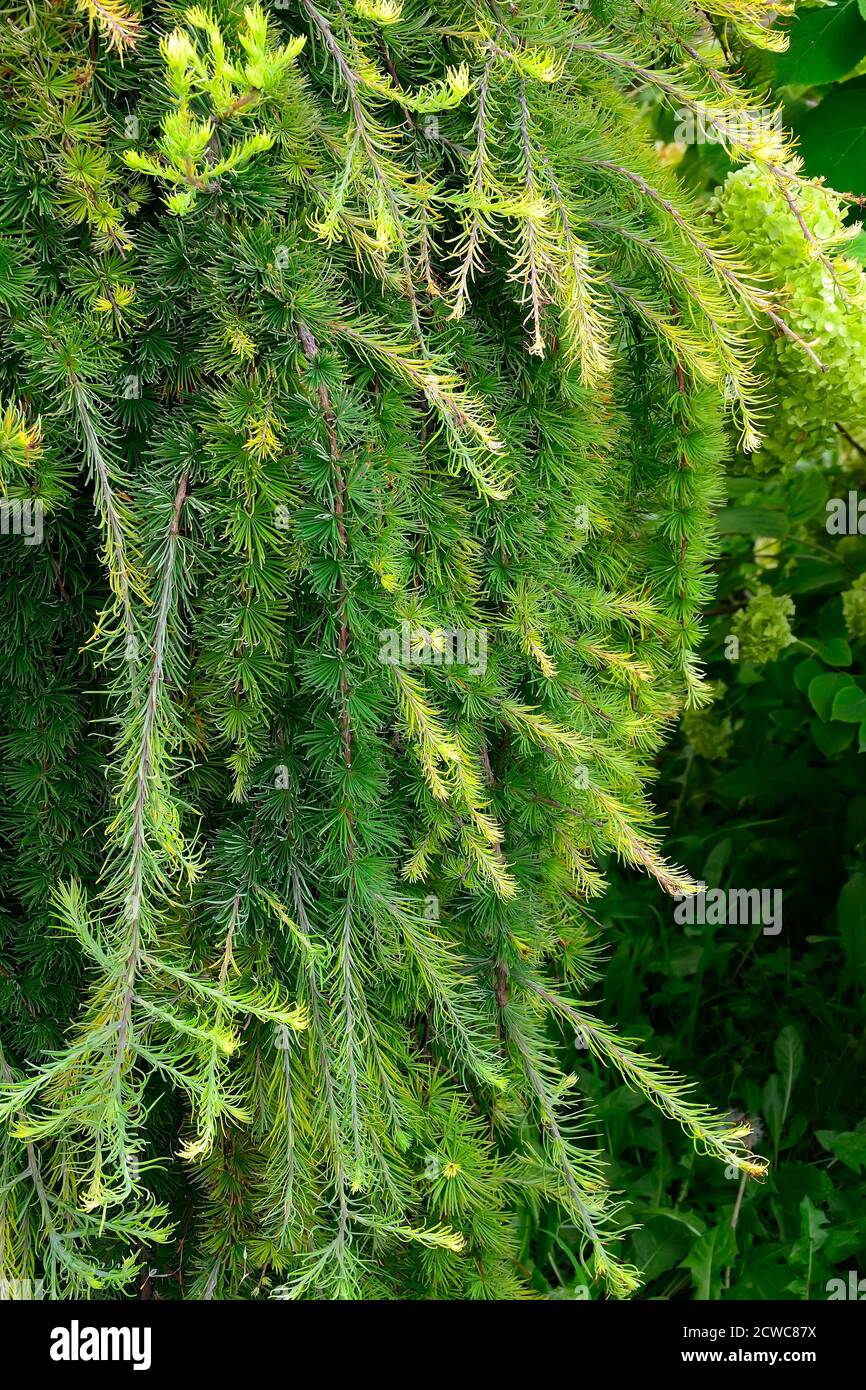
x=373 y=378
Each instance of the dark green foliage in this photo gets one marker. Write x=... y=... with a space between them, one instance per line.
x=372 y=376
x=780 y=1017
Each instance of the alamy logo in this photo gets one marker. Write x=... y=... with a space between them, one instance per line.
x=438 y=646
x=21 y=1290
x=854 y=1289
x=846 y=516
x=21 y=518
x=77 y=1343
x=716 y=907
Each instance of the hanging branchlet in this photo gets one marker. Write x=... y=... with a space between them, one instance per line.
x=373 y=380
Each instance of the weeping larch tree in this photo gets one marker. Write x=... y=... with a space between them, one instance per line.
x=371 y=378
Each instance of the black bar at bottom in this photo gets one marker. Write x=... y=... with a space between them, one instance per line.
x=83 y=1340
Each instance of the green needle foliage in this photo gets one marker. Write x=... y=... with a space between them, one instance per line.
x=372 y=376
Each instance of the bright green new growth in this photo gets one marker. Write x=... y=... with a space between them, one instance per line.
x=854 y=608
x=378 y=424
x=798 y=243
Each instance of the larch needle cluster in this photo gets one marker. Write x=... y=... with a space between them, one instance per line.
x=370 y=379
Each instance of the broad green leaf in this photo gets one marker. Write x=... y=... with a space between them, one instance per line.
x=845 y=1241
x=716 y=1249
x=849 y=1147
x=813 y=1232
x=832 y=739
x=659 y=1246
x=833 y=139
x=805 y=672
x=807 y=496
x=814 y=573
x=835 y=651
x=794 y=1181
x=823 y=689
x=789 y=1054
x=849 y=705
x=716 y=860
x=751 y=521
x=826 y=43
